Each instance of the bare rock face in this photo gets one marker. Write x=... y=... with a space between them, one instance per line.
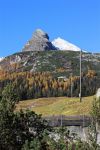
x=39 y=42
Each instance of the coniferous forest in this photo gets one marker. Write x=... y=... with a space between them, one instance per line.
x=43 y=84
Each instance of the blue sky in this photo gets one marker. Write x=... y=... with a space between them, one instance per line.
x=77 y=21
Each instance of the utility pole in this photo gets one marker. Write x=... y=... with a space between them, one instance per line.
x=71 y=85
x=80 y=94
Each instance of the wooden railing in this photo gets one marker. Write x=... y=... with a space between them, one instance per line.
x=62 y=120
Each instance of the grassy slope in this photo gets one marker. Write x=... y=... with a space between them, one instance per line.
x=58 y=106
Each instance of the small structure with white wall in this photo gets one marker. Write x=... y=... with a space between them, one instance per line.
x=64 y=78
x=98 y=93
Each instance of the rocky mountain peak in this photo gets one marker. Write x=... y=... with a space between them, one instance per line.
x=39 y=42
x=40 y=34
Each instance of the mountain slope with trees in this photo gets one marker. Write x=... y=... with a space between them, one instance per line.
x=50 y=73
x=43 y=84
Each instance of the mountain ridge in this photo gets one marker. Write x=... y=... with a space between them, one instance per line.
x=39 y=54
x=63 y=62
x=40 y=42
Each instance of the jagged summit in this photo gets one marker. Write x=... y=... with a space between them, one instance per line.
x=40 y=33
x=39 y=42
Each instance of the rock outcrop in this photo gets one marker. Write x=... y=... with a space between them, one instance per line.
x=39 y=42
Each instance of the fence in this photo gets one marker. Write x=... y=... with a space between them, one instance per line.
x=62 y=120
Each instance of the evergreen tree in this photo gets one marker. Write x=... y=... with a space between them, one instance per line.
x=18 y=127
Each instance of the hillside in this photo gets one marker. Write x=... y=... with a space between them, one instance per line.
x=58 y=106
x=50 y=73
x=57 y=62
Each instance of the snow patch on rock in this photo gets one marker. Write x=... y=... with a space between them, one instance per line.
x=62 y=44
